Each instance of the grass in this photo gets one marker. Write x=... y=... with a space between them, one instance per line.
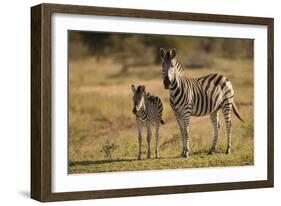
x=103 y=134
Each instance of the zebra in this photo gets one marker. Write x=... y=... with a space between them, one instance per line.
x=148 y=110
x=201 y=96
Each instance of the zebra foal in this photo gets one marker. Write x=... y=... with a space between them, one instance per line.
x=148 y=111
x=201 y=96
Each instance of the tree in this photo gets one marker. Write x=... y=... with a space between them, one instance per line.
x=131 y=51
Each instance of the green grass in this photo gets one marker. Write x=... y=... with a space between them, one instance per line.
x=100 y=116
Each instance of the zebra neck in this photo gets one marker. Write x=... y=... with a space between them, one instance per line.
x=143 y=106
x=178 y=76
x=178 y=66
x=142 y=113
x=175 y=85
x=177 y=82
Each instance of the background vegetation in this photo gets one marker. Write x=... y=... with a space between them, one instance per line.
x=102 y=130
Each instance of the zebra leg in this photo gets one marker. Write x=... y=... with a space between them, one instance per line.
x=140 y=140
x=148 y=139
x=186 y=142
x=156 y=140
x=183 y=122
x=227 y=117
x=216 y=125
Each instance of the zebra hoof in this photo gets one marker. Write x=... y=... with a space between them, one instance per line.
x=156 y=154
x=184 y=154
x=211 y=151
x=139 y=158
x=228 y=151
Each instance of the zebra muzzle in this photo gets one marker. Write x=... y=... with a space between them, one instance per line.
x=166 y=83
x=134 y=110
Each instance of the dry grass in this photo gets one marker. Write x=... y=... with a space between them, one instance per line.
x=100 y=116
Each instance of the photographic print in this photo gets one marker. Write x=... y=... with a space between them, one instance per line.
x=121 y=98
x=149 y=102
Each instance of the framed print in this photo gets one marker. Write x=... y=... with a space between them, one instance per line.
x=129 y=102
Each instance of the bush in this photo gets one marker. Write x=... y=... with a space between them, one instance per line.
x=199 y=61
x=108 y=149
x=143 y=49
x=131 y=52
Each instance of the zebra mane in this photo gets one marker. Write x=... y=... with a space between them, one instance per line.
x=178 y=65
x=150 y=97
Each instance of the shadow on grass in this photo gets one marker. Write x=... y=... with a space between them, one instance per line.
x=97 y=162
x=100 y=162
x=201 y=153
x=204 y=152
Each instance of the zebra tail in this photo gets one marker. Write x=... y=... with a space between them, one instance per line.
x=236 y=112
x=162 y=121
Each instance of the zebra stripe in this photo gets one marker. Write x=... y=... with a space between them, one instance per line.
x=148 y=110
x=201 y=96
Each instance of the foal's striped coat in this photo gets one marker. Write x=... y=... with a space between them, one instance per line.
x=148 y=111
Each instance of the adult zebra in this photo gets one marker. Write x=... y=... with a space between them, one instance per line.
x=197 y=97
x=148 y=110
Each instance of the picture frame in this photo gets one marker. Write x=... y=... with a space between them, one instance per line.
x=41 y=101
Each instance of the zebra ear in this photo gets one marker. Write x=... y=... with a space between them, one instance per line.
x=133 y=88
x=163 y=53
x=172 y=53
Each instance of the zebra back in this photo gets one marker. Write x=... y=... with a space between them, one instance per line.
x=158 y=105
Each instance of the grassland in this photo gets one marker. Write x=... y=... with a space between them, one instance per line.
x=102 y=130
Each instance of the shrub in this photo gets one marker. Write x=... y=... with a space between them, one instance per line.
x=108 y=149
